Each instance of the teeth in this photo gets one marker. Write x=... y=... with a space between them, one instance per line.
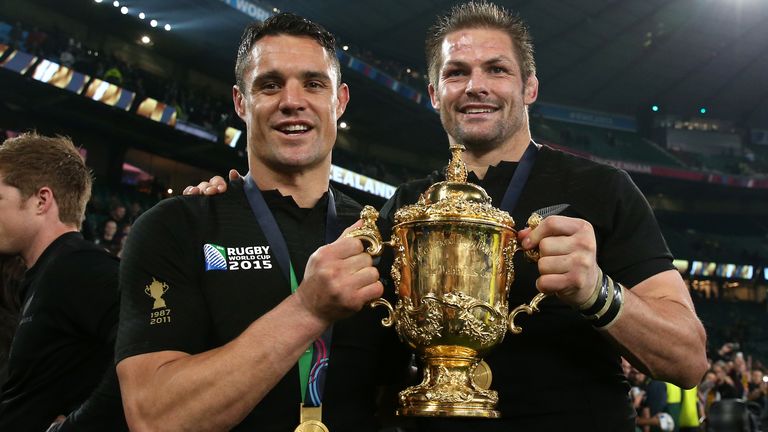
x=477 y=110
x=295 y=128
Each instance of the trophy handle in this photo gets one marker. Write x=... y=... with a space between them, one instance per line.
x=533 y=255
x=533 y=221
x=369 y=232
x=529 y=308
x=390 y=318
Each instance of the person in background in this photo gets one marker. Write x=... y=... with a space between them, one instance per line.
x=60 y=365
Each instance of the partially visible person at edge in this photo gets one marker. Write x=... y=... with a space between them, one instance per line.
x=213 y=318
x=613 y=288
x=11 y=271
x=60 y=370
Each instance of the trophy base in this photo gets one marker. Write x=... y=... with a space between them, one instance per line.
x=448 y=388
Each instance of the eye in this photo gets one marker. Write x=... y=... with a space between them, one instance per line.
x=448 y=73
x=269 y=86
x=315 y=84
x=497 y=70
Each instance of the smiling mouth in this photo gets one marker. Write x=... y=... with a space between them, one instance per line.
x=477 y=110
x=294 y=129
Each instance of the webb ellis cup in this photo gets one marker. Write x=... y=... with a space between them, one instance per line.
x=452 y=269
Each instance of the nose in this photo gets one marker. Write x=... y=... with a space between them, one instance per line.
x=477 y=84
x=292 y=97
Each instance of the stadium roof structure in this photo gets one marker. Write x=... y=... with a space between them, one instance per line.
x=619 y=56
x=615 y=55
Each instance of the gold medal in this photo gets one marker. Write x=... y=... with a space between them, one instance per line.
x=311 y=426
x=482 y=375
x=311 y=420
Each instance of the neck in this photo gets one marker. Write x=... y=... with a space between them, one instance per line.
x=478 y=160
x=42 y=240
x=305 y=186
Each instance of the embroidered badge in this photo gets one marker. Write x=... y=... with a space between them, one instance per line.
x=236 y=258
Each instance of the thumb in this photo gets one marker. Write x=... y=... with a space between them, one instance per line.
x=349 y=229
x=234 y=175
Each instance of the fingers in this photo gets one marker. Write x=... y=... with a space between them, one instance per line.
x=554 y=226
x=349 y=229
x=234 y=175
x=191 y=190
x=567 y=263
x=339 y=280
x=214 y=186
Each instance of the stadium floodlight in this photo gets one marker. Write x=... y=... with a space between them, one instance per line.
x=124 y=10
x=170 y=191
x=345 y=47
x=141 y=15
x=145 y=40
x=343 y=125
x=98 y=1
x=702 y=110
x=153 y=23
x=655 y=108
x=167 y=27
x=116 y=3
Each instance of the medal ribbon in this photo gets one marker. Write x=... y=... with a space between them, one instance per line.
x=519 y=178
x=313 y=363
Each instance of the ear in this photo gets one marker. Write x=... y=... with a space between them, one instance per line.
x=239 y=100
x=342 y=96
x=531 y=90
x=44 y=200
x=433 y=97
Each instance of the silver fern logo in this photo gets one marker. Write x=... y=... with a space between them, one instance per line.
x=215 y=257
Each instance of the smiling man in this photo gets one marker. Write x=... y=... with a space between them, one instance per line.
x=613 y=289
x=237 y=309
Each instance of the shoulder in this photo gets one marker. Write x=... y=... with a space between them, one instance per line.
x=83 y=255
x=345 y=203
x=558 y=162
x=580 y=179
x=86 y=269
x=409 y=192
x=180 y=212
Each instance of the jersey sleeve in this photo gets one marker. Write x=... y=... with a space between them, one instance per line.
x=633 y=249
x=162 y=304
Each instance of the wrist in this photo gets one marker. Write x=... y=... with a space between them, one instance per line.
x=604 y=306
x=593 y=298
x=306 y=314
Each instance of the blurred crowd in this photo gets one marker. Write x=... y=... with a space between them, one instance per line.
x=732 y=396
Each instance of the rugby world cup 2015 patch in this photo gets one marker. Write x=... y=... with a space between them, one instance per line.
x=236 y=258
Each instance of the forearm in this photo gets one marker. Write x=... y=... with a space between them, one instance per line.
x=661 y=334
x=216 y=389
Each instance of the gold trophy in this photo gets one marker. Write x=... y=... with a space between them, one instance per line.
x=452 y=269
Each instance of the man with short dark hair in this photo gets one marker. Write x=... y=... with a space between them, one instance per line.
x=60 y=364
x=222 y=296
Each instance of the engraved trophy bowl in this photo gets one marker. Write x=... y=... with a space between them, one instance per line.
x=452 y=270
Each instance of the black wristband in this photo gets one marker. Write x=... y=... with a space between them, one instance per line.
x=602 y=298
x=613 y=310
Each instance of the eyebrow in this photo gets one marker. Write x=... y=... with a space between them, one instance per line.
x=491 y=61
x=275 y=75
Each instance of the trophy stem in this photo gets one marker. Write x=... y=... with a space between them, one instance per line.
x=448 y=389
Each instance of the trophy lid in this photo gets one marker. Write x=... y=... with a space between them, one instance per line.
x=454 y=199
